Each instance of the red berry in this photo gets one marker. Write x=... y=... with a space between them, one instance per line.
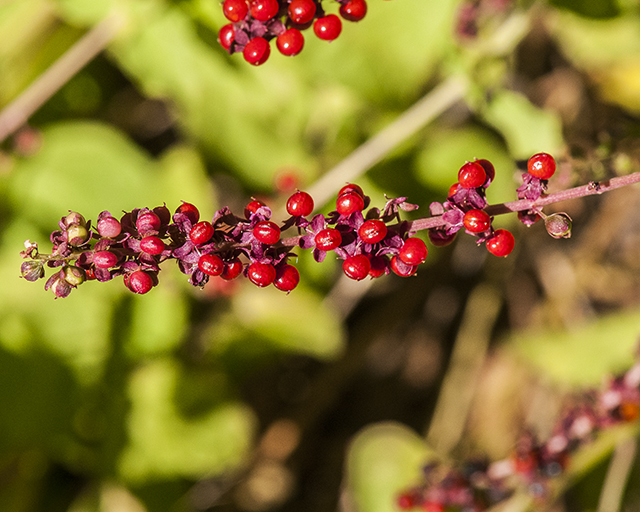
x=190 y=211
x=148 y=221
x=372 y=231
x=138 y=282
x=287 y=278
x=252 y=207
x=541 y=165
x=290 y=42
x=152 y=245
x=433 y=506
x=476 y=221
x=264 y=10
x=232 y=269
x=378 y=266
x=211 y=264
x=109 y=227
x=328 y=27
x=357 y=267
x=349 y=203
x=406 y=501
x=267 y=232
x=328 y=239
x=351 y=187
x=489 y=170
x=501 y=243
x=226 y=35
x=201 y=233
x=302 y=11
x=261 y=274
x=300 y=204
x=256 y=51
x=413 y=252
x=104 y=259
x=453 y=189
x=402 y=269
x=235 y=10
x=353 y=10
x=471 y=175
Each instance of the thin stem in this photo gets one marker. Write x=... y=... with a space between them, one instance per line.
x=17 y=113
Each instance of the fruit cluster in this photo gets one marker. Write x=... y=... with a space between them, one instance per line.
x=370 y=241
x=254 y=23
x=478 y=485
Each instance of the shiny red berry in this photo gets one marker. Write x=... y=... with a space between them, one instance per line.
x=138 y=282
x=402 y=269
x=109 y=227
x=201 y=233
x=453 y=189
x=351 y=187
x=476 y=221
x=190 y=211
x=152 y=245
x=226 y=35
x=328 y=27
x=372 y=231
x=256 y=51
x=300 y=204
x=211 y=264
x=252 y=207
x=349 y=203
x=104 y=259
x=235 y=10
x=302 y=11
x=489 y=170
x=232 y=269
x=471 y=175
x=378 y=266
x=267 y=232
x=148 y=221
x=501 y=243
x=290 y=42
x=261 y=274
x=353 y=10
x=413 y=252
x=541 y=165
x=356 y=267
x=328 y=239
x=287 y=278
x=264 y=10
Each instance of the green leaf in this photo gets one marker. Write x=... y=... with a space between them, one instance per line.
x=581 y=356
x=383 y=460
x=164 y=444
x=526 y=128
x=590 y=8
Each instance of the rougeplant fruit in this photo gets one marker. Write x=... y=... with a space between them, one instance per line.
x=501 y=243
x=105 y=259
x=267 y=232
x=328 y=27
x=472 y=175
x=349 y=202
x=152 y=245
x=201 y=233
x=413 y=252
x=300 y=204
x=476 y=221
x=328 y=239
x=372 y=231
x=211 y=264
x=232 y=269
x=257 y=51
x=251 y=208
x=301 y=11
x=261 y=274
x=541 y=165
x=190 y=211
x=235 y=10
x=139 y=282
x=264 y=10
x=290 y=42
x=402 y=269
x=356 y=267
x=287 y=278
x=353 y=10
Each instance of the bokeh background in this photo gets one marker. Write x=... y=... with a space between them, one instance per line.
x=234 y=398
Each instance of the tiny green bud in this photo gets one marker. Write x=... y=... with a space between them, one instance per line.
x=74 y=275
x=77 y=234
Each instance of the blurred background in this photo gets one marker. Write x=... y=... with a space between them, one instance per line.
x=234 y=398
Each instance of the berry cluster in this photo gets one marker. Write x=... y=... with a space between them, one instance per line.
x=478 y=485
x=254 y=23
x=371 y=242
x=464 y=208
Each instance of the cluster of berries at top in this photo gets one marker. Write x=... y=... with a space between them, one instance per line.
x=254 y=23
x=135 y=245
x=478 y=485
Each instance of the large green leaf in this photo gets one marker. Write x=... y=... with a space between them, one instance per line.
x=383 y=460
x=164 y=444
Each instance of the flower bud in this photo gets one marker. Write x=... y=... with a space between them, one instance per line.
x=58 y=286
x=77 y=234
x=32 y=270
x=74 y=218
x=558 y=225
x=74 y=275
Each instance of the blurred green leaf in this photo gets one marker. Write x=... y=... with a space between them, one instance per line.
x=526 y=128
x=383 y=460
x=590 y=8
x=582 y=355
x=298 y=322
x=163 y=444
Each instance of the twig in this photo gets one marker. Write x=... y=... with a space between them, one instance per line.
x=16 y=114
x=617 y=476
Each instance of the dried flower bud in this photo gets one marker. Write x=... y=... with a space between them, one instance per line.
x=558 y=225
x=74 y=275
x=32 y=270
